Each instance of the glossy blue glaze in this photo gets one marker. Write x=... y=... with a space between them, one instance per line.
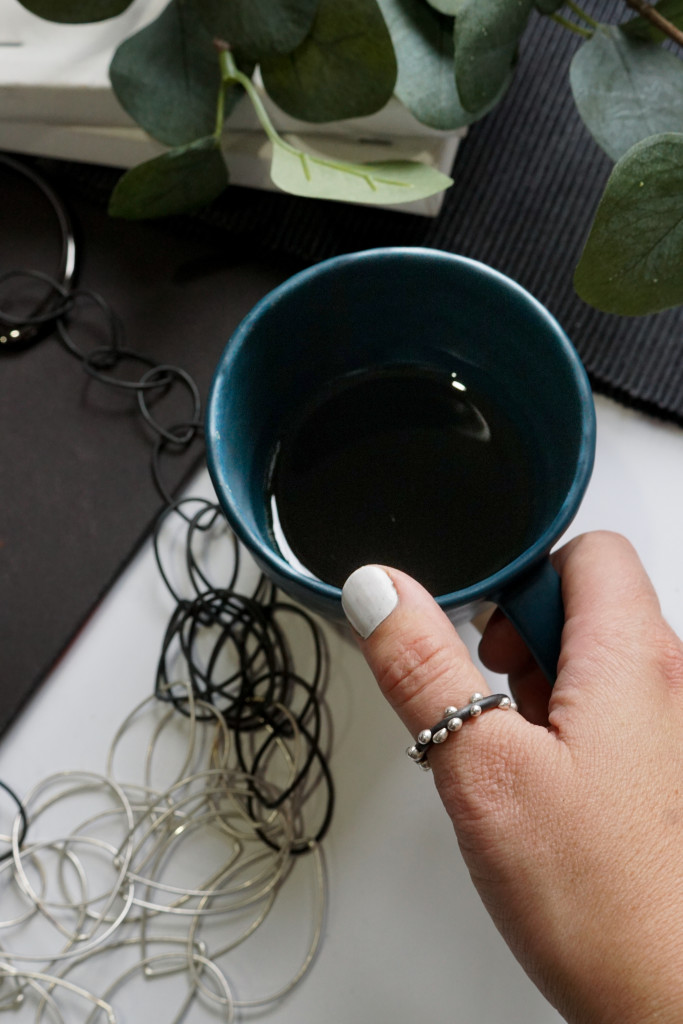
x=406 y=305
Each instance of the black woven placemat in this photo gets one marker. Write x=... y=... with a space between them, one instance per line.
x=527 y=181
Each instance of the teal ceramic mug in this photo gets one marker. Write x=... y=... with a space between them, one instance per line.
x=410 y=308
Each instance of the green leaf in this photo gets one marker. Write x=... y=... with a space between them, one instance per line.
x=423 y=42
x=486 y=36
x=180 y=181
x=76 y=12
x=626 y=89
x=641 y=28
x=633 y=260
x=259 y=28
x=167 y=76
x=344 y=68
x=305 y=174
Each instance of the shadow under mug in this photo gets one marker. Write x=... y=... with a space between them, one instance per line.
x=421 y=307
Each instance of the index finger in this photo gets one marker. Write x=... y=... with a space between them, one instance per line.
x=617 y=650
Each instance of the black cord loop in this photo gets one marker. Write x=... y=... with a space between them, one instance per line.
x=14 y=331
x=24 y=820
x=163 y=376
x=232 y=648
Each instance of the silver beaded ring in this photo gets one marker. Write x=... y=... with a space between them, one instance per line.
x=453 y=720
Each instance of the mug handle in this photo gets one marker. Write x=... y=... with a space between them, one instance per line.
x=534 y=606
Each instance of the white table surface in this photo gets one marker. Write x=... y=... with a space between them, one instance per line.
x=405 y=937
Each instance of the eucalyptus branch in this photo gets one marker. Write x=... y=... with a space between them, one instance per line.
x=231 y=73
x=220 y=110
x=572 y=26
x=580 y=13
x=399 y=176
x=655 y=18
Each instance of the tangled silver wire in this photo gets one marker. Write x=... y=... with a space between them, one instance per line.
x=165 y=874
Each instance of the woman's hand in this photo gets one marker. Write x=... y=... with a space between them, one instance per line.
x=569 y=814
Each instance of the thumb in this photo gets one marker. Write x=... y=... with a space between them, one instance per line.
x=421 y=664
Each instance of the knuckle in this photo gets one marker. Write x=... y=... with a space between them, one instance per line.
x=414 y=666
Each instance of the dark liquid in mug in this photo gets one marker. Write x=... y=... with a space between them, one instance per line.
x=404 y=466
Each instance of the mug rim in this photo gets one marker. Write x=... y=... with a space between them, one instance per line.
x=487 y=588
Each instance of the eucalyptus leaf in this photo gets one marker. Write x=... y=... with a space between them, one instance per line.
x=633 y=260
x=626 y=89
x=642 y=28
x=76 y=12
x=423 y=42
x=344 y=68
x=487 y=33
x=259 y=28
x=388 y=182
x=180 y=181
x=167 y=76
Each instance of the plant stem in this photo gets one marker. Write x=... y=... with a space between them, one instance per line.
x=658 y=20
x=572 y=26
x=580 y=13
x=220 y=110
x=231 y=73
